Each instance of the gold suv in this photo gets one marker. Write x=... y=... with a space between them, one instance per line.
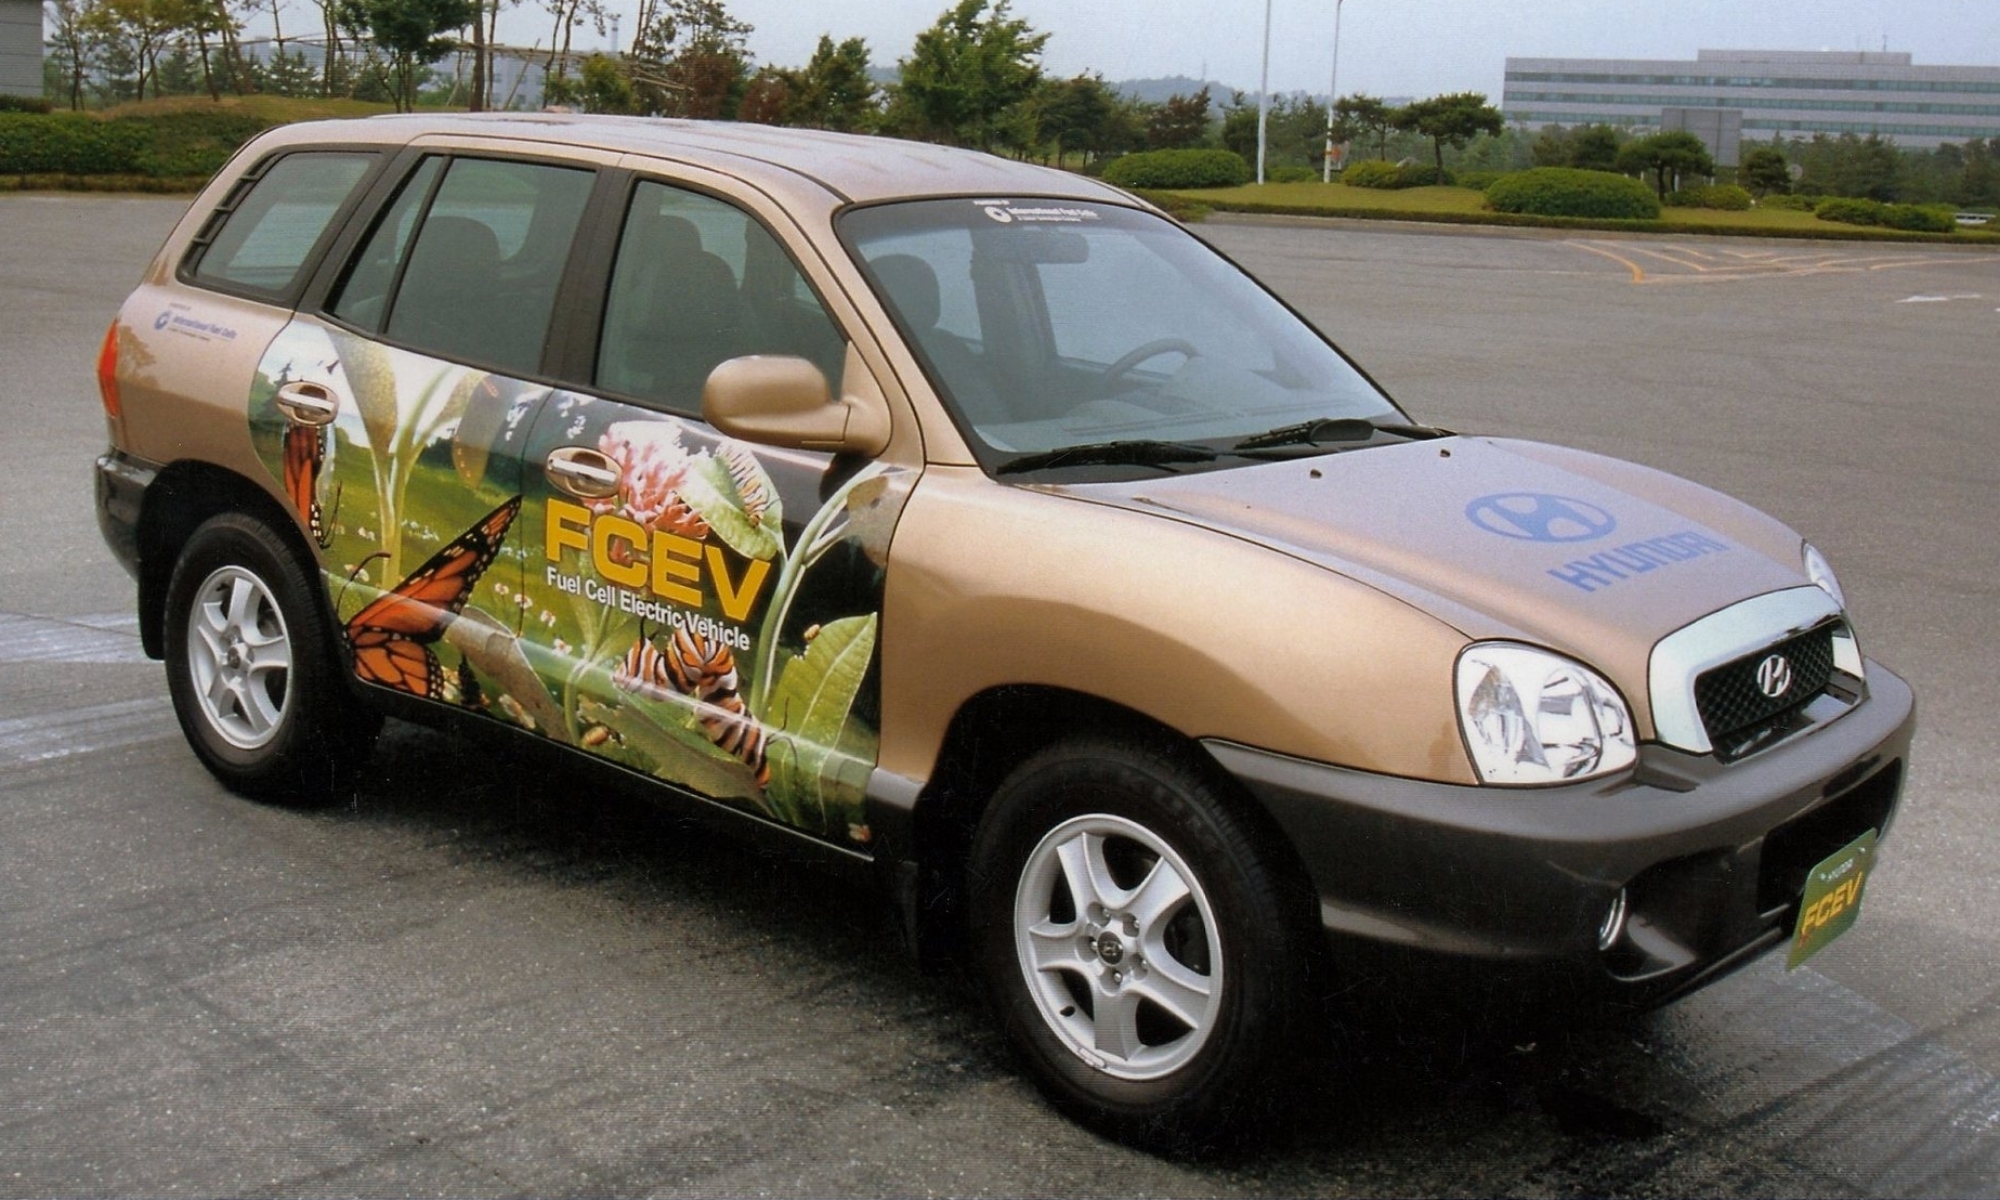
x=974 y=525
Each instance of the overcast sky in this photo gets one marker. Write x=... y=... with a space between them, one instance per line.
x=1387 y=47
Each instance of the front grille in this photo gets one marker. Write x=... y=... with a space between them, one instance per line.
x=1733 y=705
x=1796 y=847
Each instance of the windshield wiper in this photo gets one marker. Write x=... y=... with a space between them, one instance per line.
x=1330 y=429
x=1145 y=452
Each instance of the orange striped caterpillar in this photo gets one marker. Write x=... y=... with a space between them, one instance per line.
x=752 y=485
x=691 y=665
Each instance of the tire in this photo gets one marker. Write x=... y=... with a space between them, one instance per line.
x=1144 y=953
x=252 y=669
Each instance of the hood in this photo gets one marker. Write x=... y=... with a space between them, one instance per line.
x=1587 y=555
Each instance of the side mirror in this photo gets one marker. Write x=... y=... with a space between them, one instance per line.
x=778 y=400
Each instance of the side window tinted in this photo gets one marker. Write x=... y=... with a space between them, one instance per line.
x=261 y=237
x=699 y=281
x=363 y=296
x=477 y=281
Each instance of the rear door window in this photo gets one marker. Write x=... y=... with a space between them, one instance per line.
x=262 y=236
x=466 y=263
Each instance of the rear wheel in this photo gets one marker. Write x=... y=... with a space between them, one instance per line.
x=252 y=670
x=1143 y=951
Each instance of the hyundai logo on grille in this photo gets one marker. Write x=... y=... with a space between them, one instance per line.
x=1774 y=676
x=1534 y=517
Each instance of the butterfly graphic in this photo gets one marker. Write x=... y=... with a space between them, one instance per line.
x=392 y=636
x=305 y=454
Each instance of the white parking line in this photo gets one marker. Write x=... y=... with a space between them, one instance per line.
x=40 y=738
x=97 y=638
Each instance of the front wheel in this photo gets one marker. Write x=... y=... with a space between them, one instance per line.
x=1145 y=953
x=251 y=667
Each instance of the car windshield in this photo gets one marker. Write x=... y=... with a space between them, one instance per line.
x=1048 y=325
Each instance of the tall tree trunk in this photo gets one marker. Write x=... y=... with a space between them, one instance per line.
x=207 y=75
x=479 y=59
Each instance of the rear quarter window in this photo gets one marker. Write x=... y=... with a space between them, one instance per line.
x=262 y=237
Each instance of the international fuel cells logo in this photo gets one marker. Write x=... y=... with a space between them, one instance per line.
x=1536 y=517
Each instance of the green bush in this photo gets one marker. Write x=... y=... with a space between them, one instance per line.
x=1725 y=196
x=1919 y=218
x=1787 y=202
x=1423 y=175
x=191 y=142
x=1377 y=173
x=1292 y=175
x=1370 y=173
x=1178 y=169
x=68 y=144
x=1479 y=181
x=1570 y=192
x=27 y=104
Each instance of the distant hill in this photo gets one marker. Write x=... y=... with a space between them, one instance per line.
x=1158 y=91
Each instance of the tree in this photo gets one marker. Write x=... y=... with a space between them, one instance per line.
x=1450 y=120
x=1182 y=122
x=1764 y=172
x=965 y=72
x=1668 y=156
x=1594 y=148
x=1365 y=115
x=705 y=56
x=834 y=90
x=1071 y=113
x=70 y=47
x=411 y=32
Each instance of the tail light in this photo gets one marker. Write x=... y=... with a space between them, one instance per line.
x=107 y=372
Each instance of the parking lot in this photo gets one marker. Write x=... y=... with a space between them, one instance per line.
x=493 y=985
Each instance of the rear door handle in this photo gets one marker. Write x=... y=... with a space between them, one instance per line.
x=308 y=403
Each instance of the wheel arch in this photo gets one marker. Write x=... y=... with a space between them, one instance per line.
x=186 y=494
x=990 y=735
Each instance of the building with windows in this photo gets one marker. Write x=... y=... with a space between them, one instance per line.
x=1762 y=93
x=21 y=47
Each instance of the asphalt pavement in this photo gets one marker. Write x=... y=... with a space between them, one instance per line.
x=473 y=980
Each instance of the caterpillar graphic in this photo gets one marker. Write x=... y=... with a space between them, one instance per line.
x=692 y=665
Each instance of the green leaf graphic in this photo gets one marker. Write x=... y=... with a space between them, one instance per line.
x=711 y=493
x=811 y=780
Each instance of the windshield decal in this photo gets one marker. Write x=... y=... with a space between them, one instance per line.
x=1006 y=212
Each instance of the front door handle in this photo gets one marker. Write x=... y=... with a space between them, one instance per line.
x=583 y=472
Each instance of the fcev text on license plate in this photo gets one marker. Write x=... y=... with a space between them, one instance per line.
x=1832 y=898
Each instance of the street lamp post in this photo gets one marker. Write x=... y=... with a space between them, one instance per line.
x=1264 y=95
x=1332 y=96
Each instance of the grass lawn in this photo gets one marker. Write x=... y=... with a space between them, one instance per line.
x=1457 y=205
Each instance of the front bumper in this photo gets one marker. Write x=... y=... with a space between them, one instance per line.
x=1496 y=899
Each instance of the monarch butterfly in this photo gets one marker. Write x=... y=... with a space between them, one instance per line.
x=694 y=666
x=391 y=636
x=305 y=454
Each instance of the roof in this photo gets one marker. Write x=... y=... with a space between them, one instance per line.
x=854 y=167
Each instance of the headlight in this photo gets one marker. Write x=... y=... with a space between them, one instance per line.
x=1532 y=717
x=1821 y=575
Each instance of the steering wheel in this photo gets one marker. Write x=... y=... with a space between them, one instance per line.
x=1138 y=354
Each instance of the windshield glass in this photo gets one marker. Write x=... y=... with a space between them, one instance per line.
x=1052 y=324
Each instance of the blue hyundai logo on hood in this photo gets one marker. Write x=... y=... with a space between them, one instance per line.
x=1535 y=517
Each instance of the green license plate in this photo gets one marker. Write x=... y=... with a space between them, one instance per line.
x=1832 y=899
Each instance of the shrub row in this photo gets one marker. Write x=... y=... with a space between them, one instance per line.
x=1178 y=169
x=1570 y=192
x=1725 y=196
x=1380 y=173
x=1924 y=218
x=189 y=143
x=29 y=104
x=1788 y=202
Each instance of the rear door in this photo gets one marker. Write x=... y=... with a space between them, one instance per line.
x=393 y=409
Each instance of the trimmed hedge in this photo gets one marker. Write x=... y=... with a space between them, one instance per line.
x=1922 y=218
x=1378 y=173
x=1787 y=201
x=28 y=104
x=70 y=144
x=1178 y=169
x=192 y=143
x=1479 y=181
x=1570 y=192
x=1724 y=196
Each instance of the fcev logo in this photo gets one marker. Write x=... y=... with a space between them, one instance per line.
x=1536 y=517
